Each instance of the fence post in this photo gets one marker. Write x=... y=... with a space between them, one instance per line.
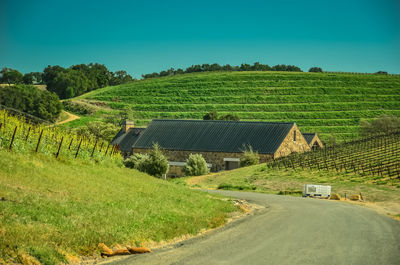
x=79 y=146
x=94 y=147
x=106 y=150
x=69 y=146
x=59 y=147
x=40 y=137
x=27 y=135
x=12 y=139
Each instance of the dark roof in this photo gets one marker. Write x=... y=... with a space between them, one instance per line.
x=214 y=136
x=126 y=140
x=309 y=137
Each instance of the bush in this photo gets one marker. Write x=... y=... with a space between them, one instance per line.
x=335 y=196
x=136 y=161
x=382 y=124
x=196 y=165
x=249 y=157
x=154 y=163
x=78 y=107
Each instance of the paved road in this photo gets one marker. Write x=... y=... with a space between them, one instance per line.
x=290 y=230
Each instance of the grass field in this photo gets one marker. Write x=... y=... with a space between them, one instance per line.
x=56 y=211
x=326 y=103
x=261 y=178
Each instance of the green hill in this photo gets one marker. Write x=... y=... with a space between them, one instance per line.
x=326 y=103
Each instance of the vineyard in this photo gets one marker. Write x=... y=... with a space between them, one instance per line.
x=21 y=134
x=376 y=158
x=325 y=103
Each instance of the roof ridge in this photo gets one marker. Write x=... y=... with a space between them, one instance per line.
x=223 y=121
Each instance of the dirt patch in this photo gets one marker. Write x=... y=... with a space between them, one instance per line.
x=71 y=117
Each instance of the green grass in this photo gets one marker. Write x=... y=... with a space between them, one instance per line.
x=326 y=103
x=261 y=178
x=54 y=209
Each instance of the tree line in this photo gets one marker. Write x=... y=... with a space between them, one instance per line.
x=68 y=82
x=216 y=67
x=27 y=98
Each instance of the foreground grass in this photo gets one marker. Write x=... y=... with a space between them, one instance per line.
x=54 y=210
x=260 y=178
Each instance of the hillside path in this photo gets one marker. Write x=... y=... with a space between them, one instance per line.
x=71 y=117
x=289 y=230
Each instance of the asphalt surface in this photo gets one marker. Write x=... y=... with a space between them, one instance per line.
x=289 y=230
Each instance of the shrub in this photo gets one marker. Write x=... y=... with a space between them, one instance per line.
x=196 y=165
x=382 y=124
x=136 y=161
x=154 y=163
x=249 y=157
x=335 y=196
x=78 y=107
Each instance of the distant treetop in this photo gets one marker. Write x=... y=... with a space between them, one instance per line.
x=216 y=67
x=315 y=69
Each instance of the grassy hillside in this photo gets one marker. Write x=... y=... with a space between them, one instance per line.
x=326 y=103
x=55 y=210
x=384 y=196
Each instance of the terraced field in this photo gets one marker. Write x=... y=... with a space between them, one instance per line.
x=326 y=103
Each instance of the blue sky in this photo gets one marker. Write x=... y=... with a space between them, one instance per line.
x=148 y=36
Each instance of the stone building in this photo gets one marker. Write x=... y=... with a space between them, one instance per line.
x=313 y=140
x=220 y=142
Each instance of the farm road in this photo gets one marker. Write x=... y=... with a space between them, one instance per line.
x=290 y=230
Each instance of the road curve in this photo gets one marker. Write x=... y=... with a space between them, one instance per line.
x=290 y=230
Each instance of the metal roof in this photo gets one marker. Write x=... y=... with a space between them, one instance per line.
x=309 y=137
x=214 y=136
x=126 y=140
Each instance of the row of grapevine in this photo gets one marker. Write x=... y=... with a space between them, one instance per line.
x=377 y=157
x=24 y=134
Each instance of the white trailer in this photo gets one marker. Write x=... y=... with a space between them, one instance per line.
x=310 y=190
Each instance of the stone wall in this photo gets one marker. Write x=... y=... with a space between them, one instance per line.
x=216 y=159
x=289 y=146
x=317 y=142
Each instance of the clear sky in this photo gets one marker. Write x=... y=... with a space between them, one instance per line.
x=148 y=36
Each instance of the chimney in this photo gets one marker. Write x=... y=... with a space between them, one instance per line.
x=126 y=125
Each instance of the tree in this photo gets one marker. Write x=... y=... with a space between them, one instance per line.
x=196 y=165
x=29 y=99
x=315 y=69
x=381 y=73
x=249 y=157
x=120 y=77
x=11 y=76
x=28 y=79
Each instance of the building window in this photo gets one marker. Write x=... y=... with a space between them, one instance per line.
x=294 y=136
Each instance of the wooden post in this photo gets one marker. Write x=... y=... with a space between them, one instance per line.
x=94 y=147
x=69 y=146
x=107 y=150
x=40 y=137
x=59 y=147
x=79 y=146
x=101 y=147
x=12 y=139
x=27 y=135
